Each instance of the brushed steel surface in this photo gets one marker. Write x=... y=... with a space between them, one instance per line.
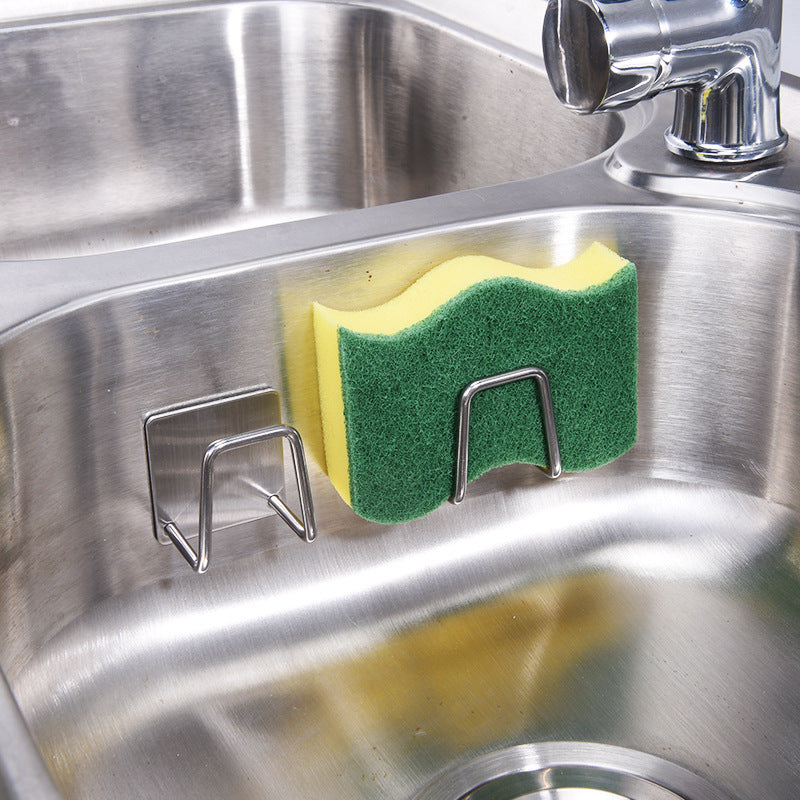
x=650 y=605
x=126 y=130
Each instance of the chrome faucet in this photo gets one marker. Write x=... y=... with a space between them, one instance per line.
x=721 y=56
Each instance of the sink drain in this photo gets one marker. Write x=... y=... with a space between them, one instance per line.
x=569 y=771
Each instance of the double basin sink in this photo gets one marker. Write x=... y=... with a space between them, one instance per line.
x=180 y=183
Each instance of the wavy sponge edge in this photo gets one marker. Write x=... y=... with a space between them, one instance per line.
x=390 y=376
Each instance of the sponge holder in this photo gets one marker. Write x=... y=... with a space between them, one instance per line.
x=247 y=426
x=492 y=382
x=244 y=433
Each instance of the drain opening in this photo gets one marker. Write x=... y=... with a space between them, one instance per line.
x=570 y=771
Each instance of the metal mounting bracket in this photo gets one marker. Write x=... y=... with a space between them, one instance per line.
x=244 y=433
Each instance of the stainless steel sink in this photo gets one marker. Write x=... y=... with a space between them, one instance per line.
x=138 y=128
x=642 y=617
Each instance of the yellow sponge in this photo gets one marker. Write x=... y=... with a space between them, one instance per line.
x=390 y=376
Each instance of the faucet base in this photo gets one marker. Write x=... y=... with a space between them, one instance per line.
x=724 y=154
x=718 y=123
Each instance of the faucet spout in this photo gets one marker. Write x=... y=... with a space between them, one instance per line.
x=721 y=56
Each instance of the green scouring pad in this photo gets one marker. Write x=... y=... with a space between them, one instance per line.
x=390 y=377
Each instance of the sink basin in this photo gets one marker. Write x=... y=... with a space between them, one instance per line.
x=650 y=604
x=629 y=632
x=146 y=127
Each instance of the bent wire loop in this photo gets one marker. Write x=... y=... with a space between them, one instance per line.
x=493 y=381
x=304 y=526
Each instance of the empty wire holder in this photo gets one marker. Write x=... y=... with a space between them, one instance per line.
x=492 y=382
x=219 y=463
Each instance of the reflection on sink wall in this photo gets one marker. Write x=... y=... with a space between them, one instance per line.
x=130 y=130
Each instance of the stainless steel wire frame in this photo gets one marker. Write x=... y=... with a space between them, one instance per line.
x=491 y=382
x=304 y=527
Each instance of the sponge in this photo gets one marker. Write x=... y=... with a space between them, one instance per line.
x=390 y=377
